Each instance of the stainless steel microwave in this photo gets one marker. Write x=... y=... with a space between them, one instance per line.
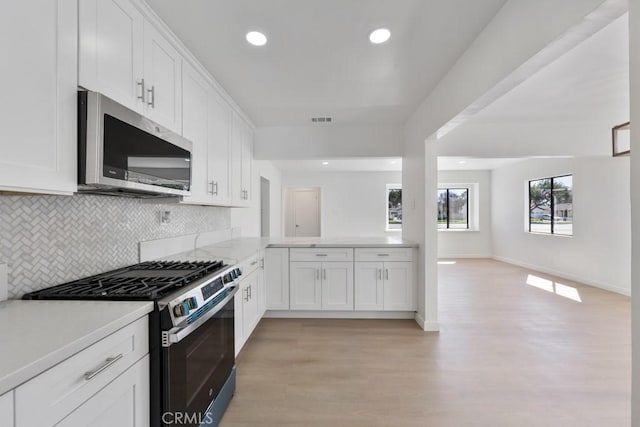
x=122 y=153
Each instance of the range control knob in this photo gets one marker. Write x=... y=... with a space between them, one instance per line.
x=181 y=309
x=227 y=278
x=238 y=272
x=192 y=302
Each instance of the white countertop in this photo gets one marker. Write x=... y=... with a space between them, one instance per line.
x=36 y=335
x=235 y=250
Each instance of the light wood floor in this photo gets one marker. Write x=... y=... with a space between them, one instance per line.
x=508 y=354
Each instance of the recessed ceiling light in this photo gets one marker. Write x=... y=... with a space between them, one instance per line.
x=462 y=162
x=393 y=162
x=256 y=38
x=380 y=35
x=325 y=163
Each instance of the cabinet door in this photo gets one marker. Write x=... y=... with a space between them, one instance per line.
x=247 y=162
x=261 y=287
x=163 y=79
x=6 y=409
x=250 y=304
x=110 y=50
x=194 y=128
x=219 y=148
x=124 y=402
x=368 y=287
x=399 y=286
x=305 y=286
x=337 y=285
x=237 y=194
x=238 y=320
x=276 y=271
x=38 y=112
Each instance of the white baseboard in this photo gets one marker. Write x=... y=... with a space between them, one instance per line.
x=426 y=326
x=449 y=256
x=313 y=314
x=573 y=277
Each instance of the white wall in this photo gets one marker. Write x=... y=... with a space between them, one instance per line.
x=634 y=58
x=327 y=141
x=598 y=252
x=352 y=203
x=248 y=219
x=472 y=243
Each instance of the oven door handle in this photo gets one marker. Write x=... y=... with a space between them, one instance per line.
x=176 y=335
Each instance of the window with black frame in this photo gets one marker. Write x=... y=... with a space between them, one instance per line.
x=453 y=208
x=551 y=205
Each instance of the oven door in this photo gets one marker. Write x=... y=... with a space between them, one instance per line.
x=196 y=368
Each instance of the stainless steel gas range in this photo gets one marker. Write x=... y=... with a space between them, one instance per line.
x=191 y=332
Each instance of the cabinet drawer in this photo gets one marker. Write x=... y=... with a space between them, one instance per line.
x=49 y=397
x=384 y=254
x=321 y=254
x=250 y=264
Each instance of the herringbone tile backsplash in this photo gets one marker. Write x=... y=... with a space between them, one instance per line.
x=46 y=240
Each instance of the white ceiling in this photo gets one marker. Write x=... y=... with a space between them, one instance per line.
x=453 y=163
x=341 y=165
x=319 y=62
x=589 y=83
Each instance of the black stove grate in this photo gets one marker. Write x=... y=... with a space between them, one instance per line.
x=147 y=281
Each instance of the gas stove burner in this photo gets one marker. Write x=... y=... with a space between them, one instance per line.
x=147 y=281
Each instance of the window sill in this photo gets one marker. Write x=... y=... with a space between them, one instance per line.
x=459 y=230
x=534 y=233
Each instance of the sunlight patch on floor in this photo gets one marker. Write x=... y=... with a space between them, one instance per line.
x=554 y=287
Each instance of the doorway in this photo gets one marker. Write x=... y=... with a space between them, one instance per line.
x=265 y=210
x=302 y=214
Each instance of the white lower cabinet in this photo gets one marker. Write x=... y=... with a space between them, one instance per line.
x=276 y=272
x=247 y=308
x=6 y=409
x=124 y=402
x=104 y=384
x=399 y=286
x=368 y=287
x=321 y=285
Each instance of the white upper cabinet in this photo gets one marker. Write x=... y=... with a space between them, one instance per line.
x=219 y=149
x=206 y=122
x=195 y=98
x=241 y=161
x=163 y=79
x=124 y=57
x=111 y=50
x=38 y=131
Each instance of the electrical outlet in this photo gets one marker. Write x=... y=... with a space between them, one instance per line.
x=165 y=217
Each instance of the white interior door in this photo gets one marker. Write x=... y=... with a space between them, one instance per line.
x=303 y=219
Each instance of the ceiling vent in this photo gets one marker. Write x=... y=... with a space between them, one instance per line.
x=321 y=119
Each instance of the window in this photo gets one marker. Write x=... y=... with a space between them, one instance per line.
x=453 y=208
x=551 y=205
x=394 y=207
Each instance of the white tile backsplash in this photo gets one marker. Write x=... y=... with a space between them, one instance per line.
x=46 y=240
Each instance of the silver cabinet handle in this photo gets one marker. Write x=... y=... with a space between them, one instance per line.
x=317 y=273
x=108 y=362
x=249 y=292
x=379 y=273
x=141 y=84
x=324 y=274
x=152 y=92
x=215 y=188
x=254 y=263
x=322 y=255
x=383 y=254
x=386 y=274
x=261 y=262
x=211 y=186
x=246 y=294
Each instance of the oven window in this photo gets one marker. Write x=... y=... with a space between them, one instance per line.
x=198 y=366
